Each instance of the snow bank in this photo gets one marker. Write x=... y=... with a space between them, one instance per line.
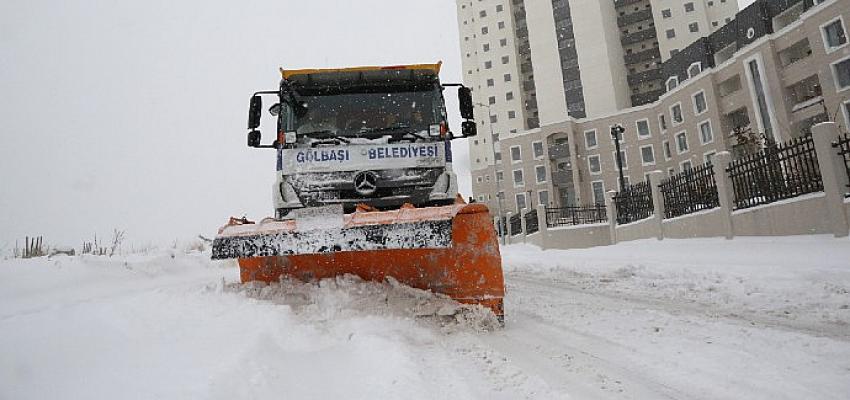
x=171 y=326
x=798 y=281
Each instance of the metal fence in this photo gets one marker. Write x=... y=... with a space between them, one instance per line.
x=843 y=146
x=778 y=172
x=515 y=224
x=531 y=224
x=690 y=191
x=569 y=216
x=634 y=203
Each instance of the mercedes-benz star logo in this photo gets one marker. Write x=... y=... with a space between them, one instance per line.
x=365 y=182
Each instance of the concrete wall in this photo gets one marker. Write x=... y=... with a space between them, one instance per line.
x=806 y=215
x=708 y=223
x=578 y=237
x=642 y=229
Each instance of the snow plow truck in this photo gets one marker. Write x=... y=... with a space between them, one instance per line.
x=365 y=186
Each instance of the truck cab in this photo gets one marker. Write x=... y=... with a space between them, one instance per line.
x=377 y=136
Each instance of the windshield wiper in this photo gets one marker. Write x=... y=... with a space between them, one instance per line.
x=395 y=127
x=327 y=134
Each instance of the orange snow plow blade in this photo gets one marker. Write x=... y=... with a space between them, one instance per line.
x=451 y=250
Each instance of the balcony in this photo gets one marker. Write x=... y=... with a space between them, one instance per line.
x=623 y=3
x=643 y=56
x=633 y=18
x=646 y=97
x=639 y=36
x=645 y=76
x=562 y=178
x=558 y=151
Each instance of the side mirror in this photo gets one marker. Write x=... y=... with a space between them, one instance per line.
x=255 y=112
x=464 y=95
x=275 y=109
x=254 y=138
x=469 y=128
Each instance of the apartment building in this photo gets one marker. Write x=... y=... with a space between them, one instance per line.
x=679 y=23
x=777 y=68
x=532 y=64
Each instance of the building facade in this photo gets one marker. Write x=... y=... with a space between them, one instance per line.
x=532 y=64
x=775 y=69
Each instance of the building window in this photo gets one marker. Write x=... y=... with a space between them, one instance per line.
x=834 y=35
x=488 y=64
x=590 y=139
x=666 y=13
x=647 y=155
x=511 y=114
x=672 y=82
x=485 y=30
x=706 y=135
x=482 y=14
x=505 y=59
x=643 y=131
x=479 y=179
x=500 y=176
x=501 y=24
x=520 y=202
x=700 y=105
x=847 y=111
x=509 y=96
x=486 y=47
x=491 y=83
x=693 y=27
x=537 y=148
x=494 y=119
x=623 y=159
x=841 y=72
x=491 y=100
x=500 y=8
x=503 y=42
x=662 y=122
x=681 y=142
x=516 y=154
x=694 y=70
x=543 y=197
x=540 y=172
x=594 y=165
x=507 y=77
x=667 y=153
x=709 y=157
x=687 y=165
x=518 y=178
x=676 y=112
x=598 y=192
x=689 y=7
x=671 y=33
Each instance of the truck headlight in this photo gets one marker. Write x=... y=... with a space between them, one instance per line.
x=434 y=130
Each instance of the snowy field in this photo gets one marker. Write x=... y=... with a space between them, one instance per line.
x=754 y=318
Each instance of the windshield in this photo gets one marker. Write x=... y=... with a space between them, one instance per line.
x=369 y=115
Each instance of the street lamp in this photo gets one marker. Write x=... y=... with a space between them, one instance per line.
x=496 y=169
x=617 y=132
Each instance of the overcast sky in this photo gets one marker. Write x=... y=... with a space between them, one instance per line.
x=132 y=114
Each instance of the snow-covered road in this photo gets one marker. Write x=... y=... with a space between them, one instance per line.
x=754 y=318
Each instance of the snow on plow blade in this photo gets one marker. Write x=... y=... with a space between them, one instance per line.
x=451 y=250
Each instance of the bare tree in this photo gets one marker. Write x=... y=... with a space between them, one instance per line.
x=117 y=239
